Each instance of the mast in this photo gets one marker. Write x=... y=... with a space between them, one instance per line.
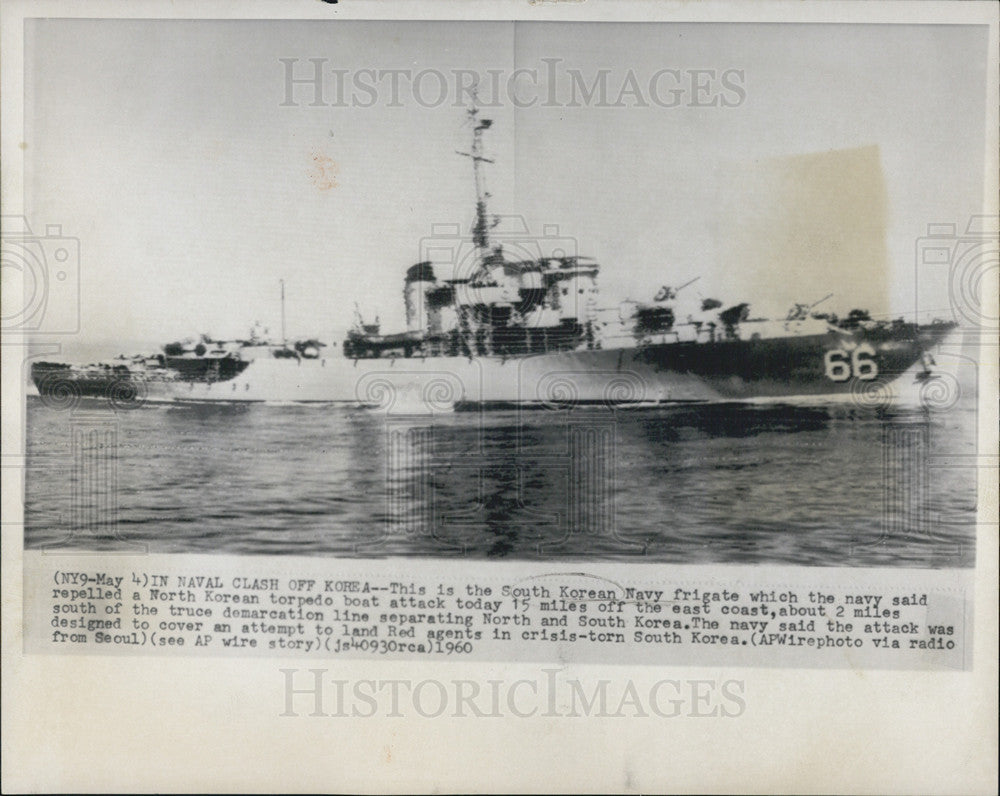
x=283 y=338
x=481 y=229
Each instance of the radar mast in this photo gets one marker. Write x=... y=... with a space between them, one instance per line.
x=484 y=223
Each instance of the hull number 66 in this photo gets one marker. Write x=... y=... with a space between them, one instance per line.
x=860 y=363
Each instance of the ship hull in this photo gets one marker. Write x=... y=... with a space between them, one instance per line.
x=829 y=365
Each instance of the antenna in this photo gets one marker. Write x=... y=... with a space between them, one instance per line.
x=283 y=338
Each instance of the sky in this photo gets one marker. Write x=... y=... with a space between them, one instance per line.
x=810 y=161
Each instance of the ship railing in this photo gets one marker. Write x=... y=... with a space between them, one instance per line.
x=511 y=341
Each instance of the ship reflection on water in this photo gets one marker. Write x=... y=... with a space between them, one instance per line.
x=837 y=486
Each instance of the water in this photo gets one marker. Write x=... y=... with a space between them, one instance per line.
x=837 y=486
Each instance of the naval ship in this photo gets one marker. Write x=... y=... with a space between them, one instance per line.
x=494 y=329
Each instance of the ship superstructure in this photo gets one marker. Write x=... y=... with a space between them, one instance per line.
x=489 y=304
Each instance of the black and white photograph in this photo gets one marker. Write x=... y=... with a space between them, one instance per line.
x=540 y=335
x=480 y=294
